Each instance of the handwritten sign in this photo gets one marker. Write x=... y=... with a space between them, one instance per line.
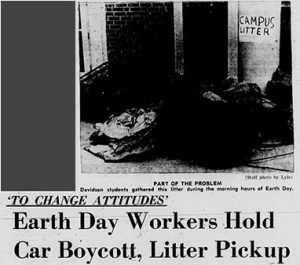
x=259 y=25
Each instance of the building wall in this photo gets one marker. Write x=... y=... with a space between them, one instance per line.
x=141 y=33
x=285 y=38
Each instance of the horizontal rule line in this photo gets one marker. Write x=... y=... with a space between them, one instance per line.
x=83 y=206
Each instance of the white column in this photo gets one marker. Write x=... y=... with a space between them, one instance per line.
x=85 y=36
x=93 y=21
x=233 y=38
x=178 y=38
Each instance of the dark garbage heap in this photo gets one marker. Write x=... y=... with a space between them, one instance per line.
x=216 y=125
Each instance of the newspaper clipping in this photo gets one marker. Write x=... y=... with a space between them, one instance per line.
x=185 y=141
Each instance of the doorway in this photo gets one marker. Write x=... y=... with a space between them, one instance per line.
x=205 y=40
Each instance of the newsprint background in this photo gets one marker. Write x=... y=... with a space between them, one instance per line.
x=183 y=206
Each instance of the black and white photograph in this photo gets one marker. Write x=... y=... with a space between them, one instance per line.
x=185 y=87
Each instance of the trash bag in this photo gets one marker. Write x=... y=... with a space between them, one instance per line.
x=124 y=135
x=279 y=89
x=246 y=95
x=279 y=124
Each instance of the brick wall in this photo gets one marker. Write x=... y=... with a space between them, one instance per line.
x=141 y=33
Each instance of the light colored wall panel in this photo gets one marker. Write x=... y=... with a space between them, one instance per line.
x=178 y=38
x=94 y=40
x=233 y=38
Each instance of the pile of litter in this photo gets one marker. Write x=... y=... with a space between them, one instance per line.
x=218 y=125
